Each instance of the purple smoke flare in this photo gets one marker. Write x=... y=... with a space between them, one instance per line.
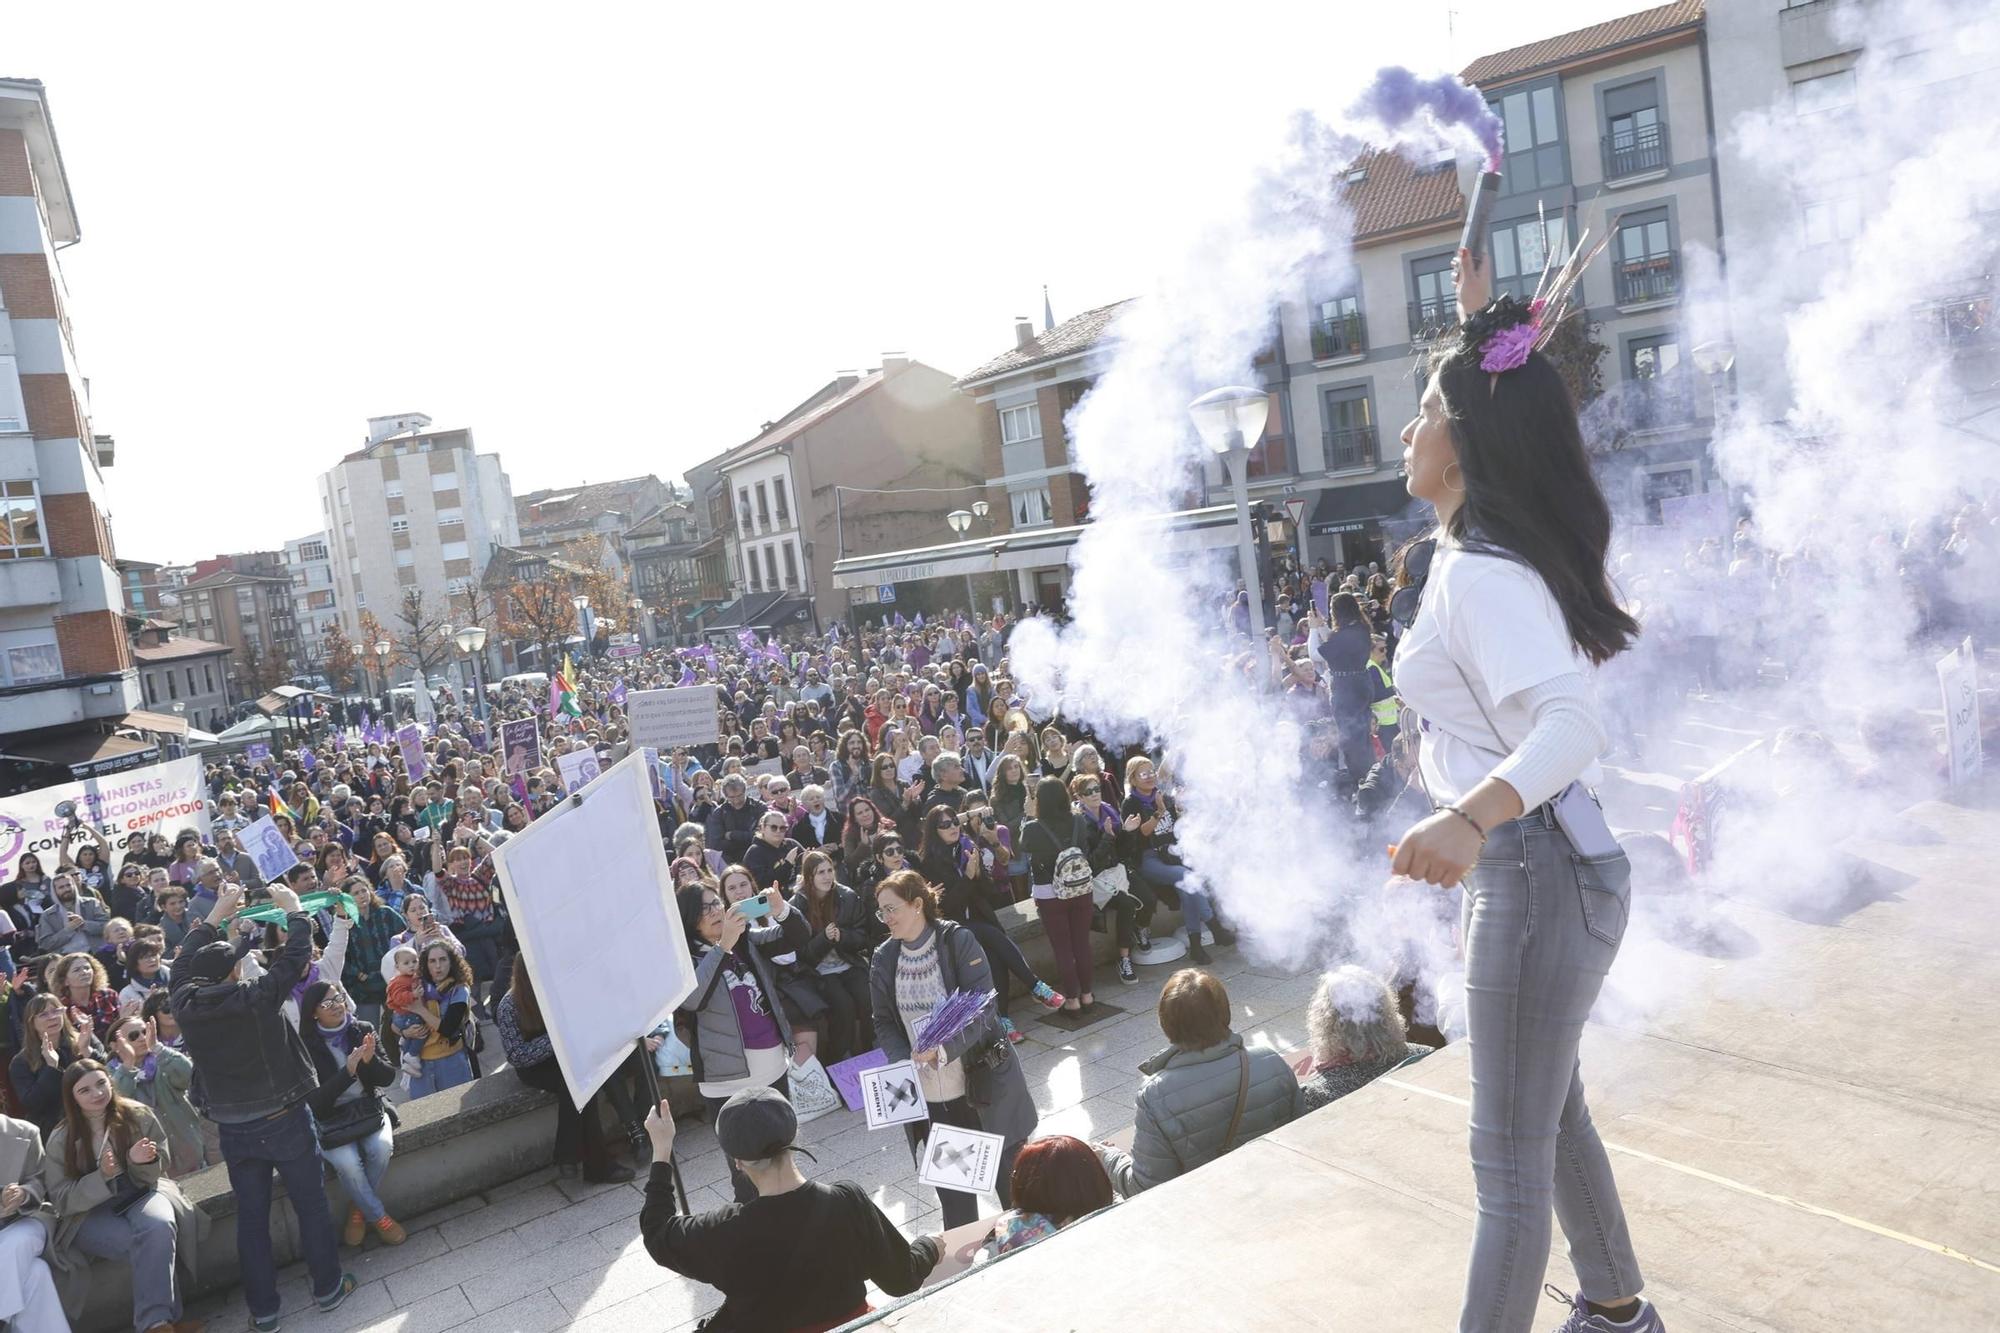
x=1397 y=95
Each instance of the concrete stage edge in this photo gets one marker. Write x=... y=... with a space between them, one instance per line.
x=1810 y=1140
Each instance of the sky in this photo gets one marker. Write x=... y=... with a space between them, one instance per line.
x=616 y=243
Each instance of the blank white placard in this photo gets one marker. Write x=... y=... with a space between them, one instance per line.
x=593 y=907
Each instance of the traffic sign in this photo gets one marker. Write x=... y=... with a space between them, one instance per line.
x=1297 y=509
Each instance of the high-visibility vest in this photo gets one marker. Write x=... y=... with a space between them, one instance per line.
x=1388 y=710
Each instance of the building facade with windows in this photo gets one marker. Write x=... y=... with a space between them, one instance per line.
x=590 y=517
x=867 y=463
x=315 y=604
x=67 y=676
x=184 y=676
x=414 y=512
x=253 y=616
x=675 y=571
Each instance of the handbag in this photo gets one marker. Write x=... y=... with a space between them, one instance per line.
x=351 y=1121
x=1108 y=884
x=812 y=1092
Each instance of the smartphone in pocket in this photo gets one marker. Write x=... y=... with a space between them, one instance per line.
x=1582 y=819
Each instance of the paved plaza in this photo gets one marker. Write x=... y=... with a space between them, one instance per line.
x=542 y=1253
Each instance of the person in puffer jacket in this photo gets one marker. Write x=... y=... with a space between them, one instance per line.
x=1187 y=1107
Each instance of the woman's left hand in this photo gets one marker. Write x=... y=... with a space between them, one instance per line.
x=1438 y=850
x=144 y=1153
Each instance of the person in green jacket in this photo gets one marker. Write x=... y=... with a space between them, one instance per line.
x=158 y=1076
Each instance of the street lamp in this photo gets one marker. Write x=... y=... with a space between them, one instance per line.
x=639 y=618
x=1229 y=420
x=582 y=605
x=382 y=668
x=472 y=642
x=961 y=521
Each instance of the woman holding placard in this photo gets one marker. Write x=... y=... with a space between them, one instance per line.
x=974 y=1081
x=742 y=1038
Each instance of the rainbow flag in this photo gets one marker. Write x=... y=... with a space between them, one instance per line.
x=562 y=697
x=278 y=807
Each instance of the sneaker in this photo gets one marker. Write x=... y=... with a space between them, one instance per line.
x=1581 y=1320
x=264 y=1323
x=1013 y=1033
x=356 y=1228
x=1050 y=997
x=1145 y=940
x=390 y=1230
x=338 y=1296
x=1126 y=972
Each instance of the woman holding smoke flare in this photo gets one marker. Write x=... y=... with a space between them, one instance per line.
x=1508 y=607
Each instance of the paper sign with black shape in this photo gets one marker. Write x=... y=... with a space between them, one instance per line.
x=960 y=1159
x=891 y=1095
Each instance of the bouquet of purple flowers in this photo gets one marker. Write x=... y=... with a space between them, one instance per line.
x=949 y=1017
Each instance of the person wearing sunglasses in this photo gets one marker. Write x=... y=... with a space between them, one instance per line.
x=1514 y=606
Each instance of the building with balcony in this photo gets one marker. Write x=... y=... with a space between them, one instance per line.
x=151 y=590
x=676 y=573
x=70 y=704
x=253 y=616
x=413 y=514
x=315 y=604
x=590 y=518
x=865 y=463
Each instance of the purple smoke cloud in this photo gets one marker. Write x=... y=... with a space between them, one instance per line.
x=1398 y=95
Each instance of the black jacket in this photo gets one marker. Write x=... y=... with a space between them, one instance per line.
x=860 y=932
x=792 y=1260
x=802 y=831
x=249 y=1061
x=731 y=831
x=334 y=1080
x=769 y=865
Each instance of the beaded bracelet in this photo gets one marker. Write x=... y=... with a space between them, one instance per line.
x=1470 y=820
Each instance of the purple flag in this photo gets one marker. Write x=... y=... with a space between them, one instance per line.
x=339 y=739
x=747 y=641
x=306 y=760
x=555 y=699
x=687 y=675
x=618 y=692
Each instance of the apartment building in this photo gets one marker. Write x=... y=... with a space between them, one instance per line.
x=69 y=690
x=676 y=573
x=413 y=511
x=151 y=590
x=866 y=463
x=590 y=517
x=252 y=615
x=315 y=606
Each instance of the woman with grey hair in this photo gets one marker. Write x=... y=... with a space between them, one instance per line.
x=1356 y=1033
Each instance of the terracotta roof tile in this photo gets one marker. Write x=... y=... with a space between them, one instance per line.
x=1522 y=60
x=1078 y=333
x=1396 y=194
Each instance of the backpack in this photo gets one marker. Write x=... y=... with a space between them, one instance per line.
x=1072 y=872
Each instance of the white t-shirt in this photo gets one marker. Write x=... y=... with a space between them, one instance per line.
x=1496 y=620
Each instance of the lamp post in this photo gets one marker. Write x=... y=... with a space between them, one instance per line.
x=582 y=604
x=1228 y=419
x=180 y=743
x=1716 y=359
x=637 y=607
x=472 y=642
x=382 y=668
x=961 y=521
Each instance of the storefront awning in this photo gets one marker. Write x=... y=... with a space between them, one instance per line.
x=1354 y=508
x=87 y=752
x=159 y=724
x=1034 y=548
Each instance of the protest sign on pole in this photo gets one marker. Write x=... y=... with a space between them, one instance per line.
x=410 y=741
x=521 y=745
x=579 y=768
x=268 y=848
x=1958 y=678
x=259 y=752
x=683 y=715
x=609 y=838
x=163 y=798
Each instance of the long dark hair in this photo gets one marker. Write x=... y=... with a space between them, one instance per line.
x=1052 y=803
x=1346 y=610
x=121 y=1120
x=1529 y=493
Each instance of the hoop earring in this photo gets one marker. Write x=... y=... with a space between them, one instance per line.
x=1446 y=478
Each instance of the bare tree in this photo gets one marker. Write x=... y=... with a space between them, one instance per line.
x=418 y=636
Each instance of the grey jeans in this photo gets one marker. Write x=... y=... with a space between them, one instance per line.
x=1541 y=926
x=145 y=1237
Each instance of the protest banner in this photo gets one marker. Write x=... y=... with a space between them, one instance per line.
x=521 y=745
x=268 y=848
x=410 y=741
x=624 y=650
x=259 y=752
x=578 y=768
x=1958 y=678
x=163 y=798
x=683 y=715
x=766 y=768
x=610 y=840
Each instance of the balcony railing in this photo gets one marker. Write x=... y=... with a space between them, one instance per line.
x=1342 y=335
x=1636 y=153
x=1351 y=448
x=1432 y=319
x=1655 y=279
